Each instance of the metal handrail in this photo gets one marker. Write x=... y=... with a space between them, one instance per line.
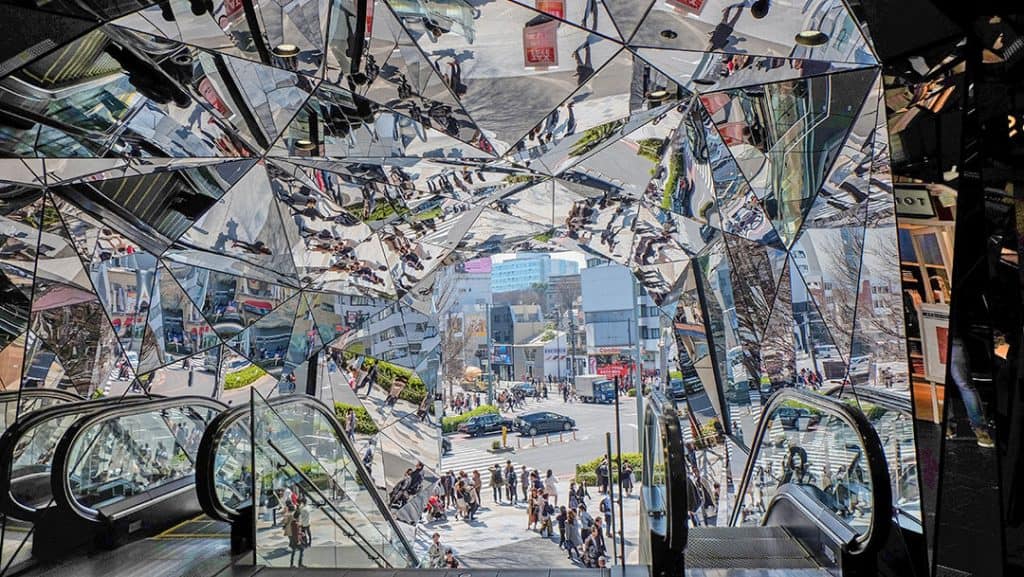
x=874 y=453
x=9 y=442
x=63 y=494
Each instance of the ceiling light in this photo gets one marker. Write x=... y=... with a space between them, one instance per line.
x=657 y=95
x=811 y=38
x=286 y=50
x=304 y=144
x=670 y=34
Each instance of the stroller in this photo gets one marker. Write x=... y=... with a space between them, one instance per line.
x=435 y=510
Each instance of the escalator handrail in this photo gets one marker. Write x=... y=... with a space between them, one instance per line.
x=60 y=477
x=9 y=442
x=667 y=416
x=67 y=396
x=206 y=487
x=834 y=528
x=326 y=504
x=878 y=469
x=884 y=399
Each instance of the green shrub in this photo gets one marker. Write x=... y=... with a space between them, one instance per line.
x=243 y=377
x=364 y=423
x=451 y=424
x=587 y=472
x=631 y=392
x=414 y=391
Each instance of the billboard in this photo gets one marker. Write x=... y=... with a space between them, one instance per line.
x=540 y=44
x=476 y=325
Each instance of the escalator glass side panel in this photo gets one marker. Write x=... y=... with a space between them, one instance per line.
x=232 y=466
x=827 y=450
x=817 y=452
x=347 y=526
x=129 y=452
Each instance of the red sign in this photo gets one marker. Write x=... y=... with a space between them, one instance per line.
x=540 y=44
x=369 y=19
x=694 y=6
x=555 y=8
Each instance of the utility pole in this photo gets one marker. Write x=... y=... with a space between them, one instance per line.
x=572 y=344
x=490 y=357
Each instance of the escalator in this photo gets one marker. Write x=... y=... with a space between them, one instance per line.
x=16 y=403
x=815 y=497
x=26 y=453
x=298 y=447
x=120 y=473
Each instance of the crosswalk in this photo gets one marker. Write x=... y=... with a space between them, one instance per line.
x=469 y=459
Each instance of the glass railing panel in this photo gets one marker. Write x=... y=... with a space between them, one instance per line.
x=33 y=456
x=344 y=530
x=233 y=465
x=895 y=430
x=818 y=452
x=130 y=454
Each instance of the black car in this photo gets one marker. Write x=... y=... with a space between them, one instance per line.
x=543 y=422
x=484 y=424
x=789 y=417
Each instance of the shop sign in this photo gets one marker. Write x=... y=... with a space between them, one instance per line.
x=914 y=201
x=540 y=44
x=555 y=8
x=694 y=6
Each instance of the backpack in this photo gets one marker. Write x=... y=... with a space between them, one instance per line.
x=548 y=509
x=604 y=506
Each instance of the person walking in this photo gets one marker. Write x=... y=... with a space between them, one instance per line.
x=293 y=530
x=350 y=424
x=497 y=483
x=606 y=510
x=547 y=511
x=551 y=486
x=573 y=499
x=586 y=521
x=478 y=484
x=448 y=488
x=473 y=500
x=561 y=518
x=627 y=479
x=573 y=539
x=303 y=512
x=602 y=476
x=581 y=492
x=511 y=480
x=435 y=554
x=531 y=510
x=450 y=561
x=592 y=548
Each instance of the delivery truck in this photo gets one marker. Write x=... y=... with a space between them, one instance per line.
x=595 y=389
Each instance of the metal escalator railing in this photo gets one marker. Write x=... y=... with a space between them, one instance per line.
x=27 y=448
x=793 y=409
x=305 y=429
x=663 y=494
x=115 y=463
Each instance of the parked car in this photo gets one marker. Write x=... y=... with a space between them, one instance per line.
x=789 y=417
x=484 y=424
x=543 y=422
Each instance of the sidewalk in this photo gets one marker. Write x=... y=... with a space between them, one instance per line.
x=498 y=537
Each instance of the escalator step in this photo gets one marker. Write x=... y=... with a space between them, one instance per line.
x=745 y=548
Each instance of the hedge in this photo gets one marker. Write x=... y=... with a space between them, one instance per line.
x=414 y=391
x=587 y=472
x=451 y=424
x=243 y=377
x=364 y=423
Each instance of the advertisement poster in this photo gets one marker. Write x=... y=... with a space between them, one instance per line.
x=555 y=8
x=540 y=44
x=935 y=340
x=476 y=325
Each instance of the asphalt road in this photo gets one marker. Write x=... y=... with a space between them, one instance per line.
x=592 y=422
